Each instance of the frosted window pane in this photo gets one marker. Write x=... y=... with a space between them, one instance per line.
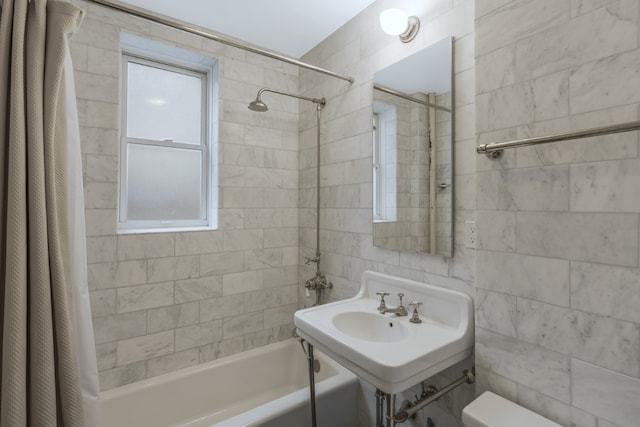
x=163 y=183
x=163 y=105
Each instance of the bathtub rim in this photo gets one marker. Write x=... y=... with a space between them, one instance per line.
x=250 y=417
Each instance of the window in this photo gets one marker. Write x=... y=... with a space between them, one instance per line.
x=384 y=163
x=378 y=178
x=166 y=151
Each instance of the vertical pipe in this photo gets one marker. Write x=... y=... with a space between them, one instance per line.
x=318 y=108
x=379 y=408
x=312 y=385
x=391 y=410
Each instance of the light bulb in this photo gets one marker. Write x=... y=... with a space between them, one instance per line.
x=394 y=21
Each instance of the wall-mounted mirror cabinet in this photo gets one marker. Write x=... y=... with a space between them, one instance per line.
x=412 y=152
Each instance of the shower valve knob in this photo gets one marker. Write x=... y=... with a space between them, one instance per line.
x=308 y=261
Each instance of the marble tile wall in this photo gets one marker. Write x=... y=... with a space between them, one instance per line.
x=359 y=49
x=557 y=270
x=165 y=301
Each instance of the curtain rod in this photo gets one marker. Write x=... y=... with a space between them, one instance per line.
x=183 y=26
x=408 y=97
x=494 y=150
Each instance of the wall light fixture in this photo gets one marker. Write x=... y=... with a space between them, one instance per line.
x=397 y=22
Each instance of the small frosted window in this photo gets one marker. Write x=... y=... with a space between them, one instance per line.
x=163 y=104
x=164 y=184
x=166 y=172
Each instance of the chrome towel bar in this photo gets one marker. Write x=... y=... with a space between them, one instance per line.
x=494 y=150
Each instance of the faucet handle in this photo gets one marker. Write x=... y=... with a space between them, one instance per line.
x=382 y=306
x=415 y=318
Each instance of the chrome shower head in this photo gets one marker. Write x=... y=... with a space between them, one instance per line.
x=261 y=107
x=258 y=106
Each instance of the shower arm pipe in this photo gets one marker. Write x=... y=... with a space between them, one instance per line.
x=199 y=31
x=403 y=95
x=321 y=102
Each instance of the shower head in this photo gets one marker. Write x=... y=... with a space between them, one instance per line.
x=261 y=107
x=258 y=106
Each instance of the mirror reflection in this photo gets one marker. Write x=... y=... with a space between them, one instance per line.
x=412 y=152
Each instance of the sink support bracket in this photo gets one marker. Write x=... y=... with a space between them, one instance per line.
x=403 y=414
x=380 y=395
x=391 y=407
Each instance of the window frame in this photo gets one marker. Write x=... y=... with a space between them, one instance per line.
x=208 y=217
x=383 y=209
x=378 y=168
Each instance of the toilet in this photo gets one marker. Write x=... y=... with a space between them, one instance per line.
x=491 y=410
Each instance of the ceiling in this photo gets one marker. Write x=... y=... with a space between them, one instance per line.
x=292 y=27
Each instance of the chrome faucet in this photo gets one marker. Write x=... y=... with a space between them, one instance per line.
x=383 y=309
x=415 y=318
x=317 y=283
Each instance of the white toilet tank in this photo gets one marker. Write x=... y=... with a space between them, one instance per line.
x=491 y=410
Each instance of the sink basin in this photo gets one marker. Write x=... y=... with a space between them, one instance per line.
x=370 y=326
x=386 y=350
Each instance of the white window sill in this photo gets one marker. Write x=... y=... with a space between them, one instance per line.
x=164 y=230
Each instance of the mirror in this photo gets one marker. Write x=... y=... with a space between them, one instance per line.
x=412 y=152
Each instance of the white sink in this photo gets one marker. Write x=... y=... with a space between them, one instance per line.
x=370 y=326
x=386 y=350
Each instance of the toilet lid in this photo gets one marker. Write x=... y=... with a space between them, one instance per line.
x=491 y=410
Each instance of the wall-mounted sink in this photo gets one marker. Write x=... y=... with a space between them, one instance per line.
x=386 y=350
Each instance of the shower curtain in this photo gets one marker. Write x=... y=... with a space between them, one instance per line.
x=48 y=370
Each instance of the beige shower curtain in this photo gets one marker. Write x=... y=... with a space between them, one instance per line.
x=40 y=372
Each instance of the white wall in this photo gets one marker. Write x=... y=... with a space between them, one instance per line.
x=557 y=263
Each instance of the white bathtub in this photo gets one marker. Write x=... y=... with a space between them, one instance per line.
x=267 y=387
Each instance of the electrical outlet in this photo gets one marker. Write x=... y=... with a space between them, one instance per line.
x=470 y=234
